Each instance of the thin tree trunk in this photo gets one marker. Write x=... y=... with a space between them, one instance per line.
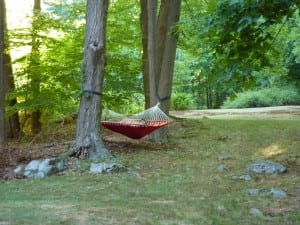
x=35 y=124
x=145 y=62
x=152 y=51
x=2 y=91
x=88 y=142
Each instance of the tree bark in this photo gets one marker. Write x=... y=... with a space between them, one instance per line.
x=159 y=56
x=12 y=122
x=36 y=125
x=2 y=91
x=152 y=51
x=159 y=40
x=168 y=54
x=145 y=63
x=88 y=142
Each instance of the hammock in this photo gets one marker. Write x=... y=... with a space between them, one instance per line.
x=138 y=125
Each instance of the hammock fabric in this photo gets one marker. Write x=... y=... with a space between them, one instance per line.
x=134 y=130
x=139 y=125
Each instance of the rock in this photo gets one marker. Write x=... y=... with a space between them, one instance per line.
x=243 y=177
x=43 y=168
x=266 y=166
x=252 y=191
x=277 y=193
x=256 y=212
x=106 y=167
x=222 y=168
x=20 y=169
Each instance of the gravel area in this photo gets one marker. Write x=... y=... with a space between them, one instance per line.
x=279 y=112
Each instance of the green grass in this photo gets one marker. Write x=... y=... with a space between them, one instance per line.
x=172 y=183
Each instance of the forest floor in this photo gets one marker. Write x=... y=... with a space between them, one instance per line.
x=52 y=141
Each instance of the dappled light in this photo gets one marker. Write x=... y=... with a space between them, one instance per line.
x=272 y=151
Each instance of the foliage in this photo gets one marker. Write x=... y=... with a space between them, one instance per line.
x=182 y=101
x=174 y=183
x=240 y=28
x=59 y=64
x=274 y=96
x=235 y=43
x=123 y=79
x=60 y=31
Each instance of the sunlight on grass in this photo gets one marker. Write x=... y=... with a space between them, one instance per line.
x=272 y=150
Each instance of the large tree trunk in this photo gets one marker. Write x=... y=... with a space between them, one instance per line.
x=168 y=51
x=12 y=122
x=2 y=91
x=88 y=142
x=159 y=50
x=35 y=123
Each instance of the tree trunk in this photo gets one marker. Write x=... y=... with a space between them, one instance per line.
x=152 y=51
x=88 y=142
x=35 y=122
x=12 y=122
x=2 y=91
x=160 y=53
x=145 y=64
x=168 y=55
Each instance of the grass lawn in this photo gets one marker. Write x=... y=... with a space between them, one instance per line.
x=176 y=183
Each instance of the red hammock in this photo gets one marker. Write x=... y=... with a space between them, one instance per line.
x=135 y=129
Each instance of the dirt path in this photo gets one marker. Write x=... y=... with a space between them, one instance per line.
x=279 y=112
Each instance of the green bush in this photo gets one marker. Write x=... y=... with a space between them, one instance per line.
x=182 y=101
x=265 y=97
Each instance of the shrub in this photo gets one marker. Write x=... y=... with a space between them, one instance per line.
x=265 y=97
x=182 y=101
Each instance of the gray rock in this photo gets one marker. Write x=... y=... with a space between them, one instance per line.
x=266 y=166
x=256 y=212
x=246 y=177
x=253 y=191
x=20 y=169
x=243 y=177
x=277 y=193
x=43 y=168
x=222 y=168
x=106 y=167
x=31 y=168
x=33 y=165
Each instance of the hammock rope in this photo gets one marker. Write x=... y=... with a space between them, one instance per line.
x=138 y=125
